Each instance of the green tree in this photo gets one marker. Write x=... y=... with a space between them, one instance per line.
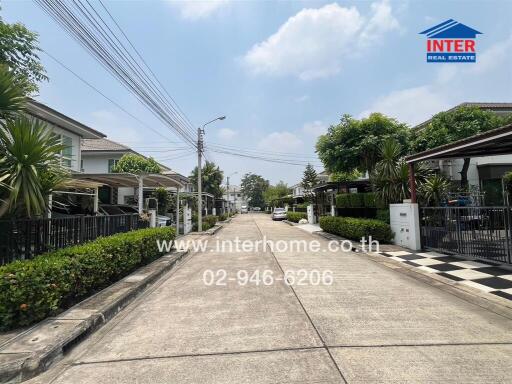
x=309 y=180
x=136 y=164
x=253 y=188
x=211 y=177
x=390 y=178
x=19 y=52
x=275 y=193
x=457 y=124
x=355 y=144
x=434 y=190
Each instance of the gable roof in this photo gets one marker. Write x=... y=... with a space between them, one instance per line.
x=50 y=115
x=495 y=107
x=103 y=145
x=450 y=29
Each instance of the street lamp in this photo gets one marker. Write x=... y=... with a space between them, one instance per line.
x=200 y=132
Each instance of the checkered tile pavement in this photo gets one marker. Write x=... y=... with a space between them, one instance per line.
x=477 y=274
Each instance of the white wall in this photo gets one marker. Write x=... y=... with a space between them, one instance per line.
x=97 y=163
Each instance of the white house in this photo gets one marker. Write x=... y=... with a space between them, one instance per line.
x=71 y=132
x=234 y=195
x=484 y=173
x=100 y=156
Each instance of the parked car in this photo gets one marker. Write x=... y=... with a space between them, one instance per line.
x=256 y=209
x=243 y=209
x=279 y=214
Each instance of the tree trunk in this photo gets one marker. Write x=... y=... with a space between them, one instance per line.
x=464 y=174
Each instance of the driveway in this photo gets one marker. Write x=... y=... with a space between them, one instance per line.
x=371 y=325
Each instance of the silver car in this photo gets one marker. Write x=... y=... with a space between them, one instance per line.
x=279 y=214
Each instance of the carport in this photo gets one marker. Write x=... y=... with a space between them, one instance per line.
x=153 y=180
x=473 y=231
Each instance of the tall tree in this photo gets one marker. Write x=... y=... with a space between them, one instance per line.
x=309 y=180
x=457 y=124
x=19 y=53
x=355 y=144
x=253 y=188
x=211 y=177
x=275 y=193
x=136 y=164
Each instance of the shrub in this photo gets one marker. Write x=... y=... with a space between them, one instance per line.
x=369 y=200
x=296 y=216
x=342 y=200
x=355 y=228
x=356 y=200
x=382 y=215
x=223 y=216
x=31 y=290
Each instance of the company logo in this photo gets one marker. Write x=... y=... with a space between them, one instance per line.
x=451 y=42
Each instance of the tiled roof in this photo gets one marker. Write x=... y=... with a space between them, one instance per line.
x=103 y=145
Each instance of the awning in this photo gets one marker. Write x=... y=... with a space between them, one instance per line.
x=131 y=180
x=494 y=142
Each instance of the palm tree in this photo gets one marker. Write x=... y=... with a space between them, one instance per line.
x=390 y=178
x=29 y=155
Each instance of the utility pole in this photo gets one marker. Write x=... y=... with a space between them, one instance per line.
x=200 y=132
x=199 y=180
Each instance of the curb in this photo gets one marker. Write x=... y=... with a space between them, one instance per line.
x=289 y=222
x=474 y=296
x=34 y=350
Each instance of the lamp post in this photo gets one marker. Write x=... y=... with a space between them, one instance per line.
x=227 y=189
x=200 y=133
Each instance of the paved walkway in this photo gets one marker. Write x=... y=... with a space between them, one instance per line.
x=372 y=325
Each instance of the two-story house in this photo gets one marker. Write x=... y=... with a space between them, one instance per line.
x=71 y=132
x=100 y=155
x=484 y=173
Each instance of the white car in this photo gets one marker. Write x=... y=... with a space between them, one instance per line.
x=279 y=214
x=243 y=209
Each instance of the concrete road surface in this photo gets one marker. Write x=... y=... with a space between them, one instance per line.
x=371 y=325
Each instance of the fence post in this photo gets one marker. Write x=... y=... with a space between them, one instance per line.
x=81 y=231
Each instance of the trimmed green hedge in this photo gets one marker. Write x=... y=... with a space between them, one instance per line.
x=32 y=290
x=296 y=216
x=383 y=215
x=355 y=228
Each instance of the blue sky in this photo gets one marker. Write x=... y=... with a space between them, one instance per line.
x=282 y=71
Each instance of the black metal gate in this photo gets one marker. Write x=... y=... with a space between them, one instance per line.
x=473 y=232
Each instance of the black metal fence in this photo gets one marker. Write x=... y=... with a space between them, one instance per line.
x=24 y=239
x=474 y=232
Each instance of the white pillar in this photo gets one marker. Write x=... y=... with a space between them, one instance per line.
x=333 y=210
x=141 y=196
x=286 y=207
x=214 y=212
x=405 y=223
x=177 y=211
x=311 y=215
x=152 y=218
x=96 y=200
x=50 y=203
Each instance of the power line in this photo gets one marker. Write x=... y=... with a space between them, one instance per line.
x=83 y=25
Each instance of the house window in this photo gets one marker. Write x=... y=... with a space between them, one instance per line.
x=66 y=154
x=111 y=164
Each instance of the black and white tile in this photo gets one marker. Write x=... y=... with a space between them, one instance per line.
x=477 y=274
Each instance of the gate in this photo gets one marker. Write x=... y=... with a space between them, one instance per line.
x=474 y=232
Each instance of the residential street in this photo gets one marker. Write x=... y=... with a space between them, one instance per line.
x=371 y=325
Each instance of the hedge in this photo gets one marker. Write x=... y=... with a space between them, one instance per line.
x=383 y=215
x=296 y=216
x=355 y=228
x=207 y=222
x=31 y=290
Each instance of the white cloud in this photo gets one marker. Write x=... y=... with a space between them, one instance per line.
x=315 y=128
x=226 y=133
x=198 y=9
x=315 y=42
x=280 y=142
x=301 y=99
x=488 y=79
